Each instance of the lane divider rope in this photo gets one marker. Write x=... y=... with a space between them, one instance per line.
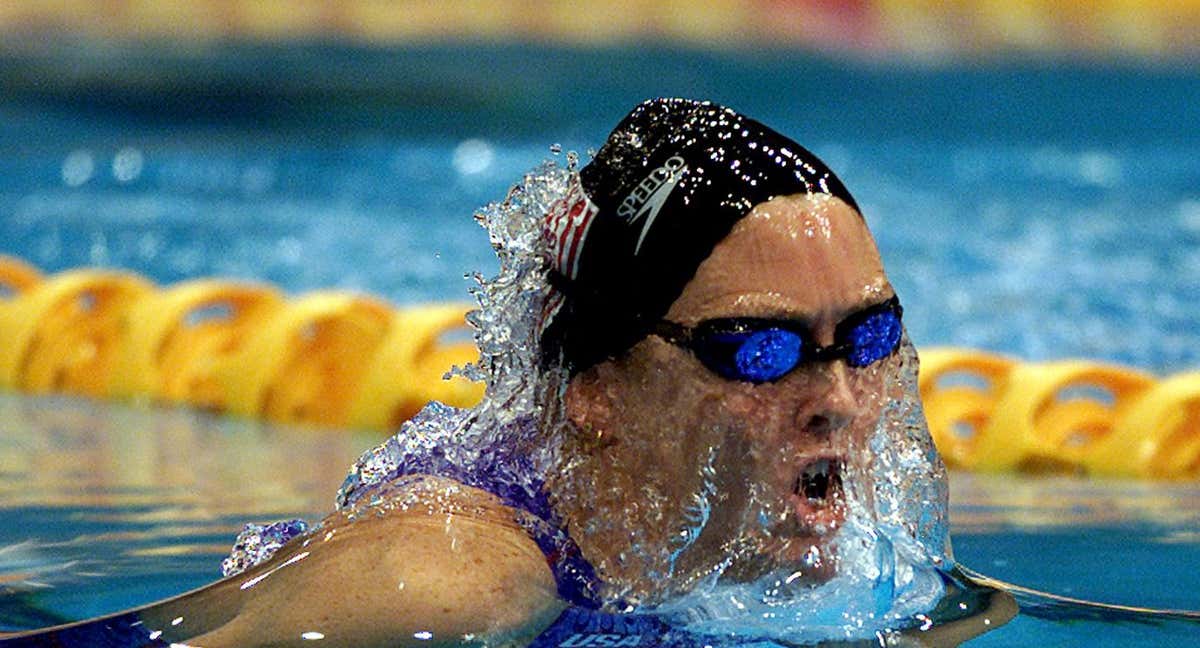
x=989 y=412
x=340 y=359
x=331 y=358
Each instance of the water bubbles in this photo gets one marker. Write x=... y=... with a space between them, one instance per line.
x=1099 y=168
x=1095 y=168
x=127 y=165
x=78 y=168
x=98 y=250
x=289 y=250
x=148 y=246
x=473 y=156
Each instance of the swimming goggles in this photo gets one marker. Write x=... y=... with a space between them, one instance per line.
x=759 y=350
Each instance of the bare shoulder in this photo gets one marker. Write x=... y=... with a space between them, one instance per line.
x=445 y=572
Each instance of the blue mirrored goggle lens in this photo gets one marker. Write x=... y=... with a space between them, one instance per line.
x=751 y=356
x=767 y=355
x=874 y=339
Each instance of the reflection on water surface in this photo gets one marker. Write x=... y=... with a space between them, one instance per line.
x=105 y=506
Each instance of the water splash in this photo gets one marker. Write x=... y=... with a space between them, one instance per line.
x=258 y=543
x=698 y=514
x=425 y=436
x=888 y=552
x=507 y=422
x=478 y=443
x=884 y=558
x=909 y=478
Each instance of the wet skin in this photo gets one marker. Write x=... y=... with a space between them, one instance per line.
x=429 y=575
x=452 y=571
x=642 y=423
x=656 y=411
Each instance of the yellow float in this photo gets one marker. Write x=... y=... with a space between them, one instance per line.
x=64 y=333
x=307 y=361
x=409 y=366
x=176 y=338
x=991 y=413
x=1157 y=437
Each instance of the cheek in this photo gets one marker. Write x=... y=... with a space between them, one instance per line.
x=738 y=403
x=870 y=384
x=745 y=409
x=869 y=388
x=760 y=409
x=665 y=404
x=677 y=388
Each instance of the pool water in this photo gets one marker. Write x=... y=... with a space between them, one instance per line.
x=1043 y=209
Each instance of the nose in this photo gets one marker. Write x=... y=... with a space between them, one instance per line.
x=835 y=406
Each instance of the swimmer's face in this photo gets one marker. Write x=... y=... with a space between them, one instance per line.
x=652 y=420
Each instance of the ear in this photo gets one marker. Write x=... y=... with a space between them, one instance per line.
x=589 y=405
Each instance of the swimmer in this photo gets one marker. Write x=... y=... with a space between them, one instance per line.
x=717 y=348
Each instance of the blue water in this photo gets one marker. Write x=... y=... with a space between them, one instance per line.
x=1042 y=208
x=1046 y=209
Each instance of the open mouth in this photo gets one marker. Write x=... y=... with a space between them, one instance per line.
x=819 y=479
x=817 y=494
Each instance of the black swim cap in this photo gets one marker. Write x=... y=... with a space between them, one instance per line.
x=671 y=181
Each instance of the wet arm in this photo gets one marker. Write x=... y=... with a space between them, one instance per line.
x=397 y=580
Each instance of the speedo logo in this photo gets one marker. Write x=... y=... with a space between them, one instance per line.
x=648 y=197
x=579 y=640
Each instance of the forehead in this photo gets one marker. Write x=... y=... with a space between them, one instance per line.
x=804 y=256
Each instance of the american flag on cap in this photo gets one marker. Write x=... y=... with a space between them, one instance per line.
x=566 y=227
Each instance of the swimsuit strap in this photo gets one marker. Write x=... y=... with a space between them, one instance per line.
x=574 y=576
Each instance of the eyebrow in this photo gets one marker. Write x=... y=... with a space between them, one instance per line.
x=805 y=320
